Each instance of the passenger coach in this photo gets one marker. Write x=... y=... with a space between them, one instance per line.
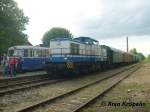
x=28 y=57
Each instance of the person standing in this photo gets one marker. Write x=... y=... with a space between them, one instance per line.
x=5 y=66
x=12 y=64
x=1 y=58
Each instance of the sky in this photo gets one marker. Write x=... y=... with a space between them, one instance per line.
x=109 y=21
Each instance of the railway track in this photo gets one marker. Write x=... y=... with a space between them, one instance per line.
x=102 y=93
x=20 y=85
x=64 y=101
x=13 y=80
x=16 y=87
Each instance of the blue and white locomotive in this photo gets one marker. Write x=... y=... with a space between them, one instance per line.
x=77 y=55
x=83 y=55
x=28 y=57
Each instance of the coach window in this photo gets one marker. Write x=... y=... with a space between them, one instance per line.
x=35 y=53
x=25 y=53
x=47 y=52
x=39 y=52
x=32 y=52
x=43 y=53
x=29 y=53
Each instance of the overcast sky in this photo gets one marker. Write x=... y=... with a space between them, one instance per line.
x=109 y=21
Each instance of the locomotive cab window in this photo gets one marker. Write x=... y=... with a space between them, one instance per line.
x=74 y=48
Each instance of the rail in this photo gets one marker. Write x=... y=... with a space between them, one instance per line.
x=71 y=92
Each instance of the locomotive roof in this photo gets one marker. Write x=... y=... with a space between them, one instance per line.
x=59 y=38
x=82 y=40
x=86 y=39
x=27 y=47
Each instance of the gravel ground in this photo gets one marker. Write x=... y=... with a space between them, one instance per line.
x=135 y=89
x=27 y=74
x=72 y=101
x=9 y=103
x=28 y=83
x=22 y=77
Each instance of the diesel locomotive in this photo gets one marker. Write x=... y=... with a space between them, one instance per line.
x=83 y=55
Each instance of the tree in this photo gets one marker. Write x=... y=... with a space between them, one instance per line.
x=133 y=51
x=56 y=32
x=12 y=25
x=148 y=58
x=140 y=55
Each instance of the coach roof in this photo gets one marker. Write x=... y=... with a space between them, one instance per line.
x=27 y=47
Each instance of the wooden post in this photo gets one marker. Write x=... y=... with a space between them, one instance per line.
x=127 y=45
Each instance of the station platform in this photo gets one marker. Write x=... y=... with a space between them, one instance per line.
x=22 y=75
